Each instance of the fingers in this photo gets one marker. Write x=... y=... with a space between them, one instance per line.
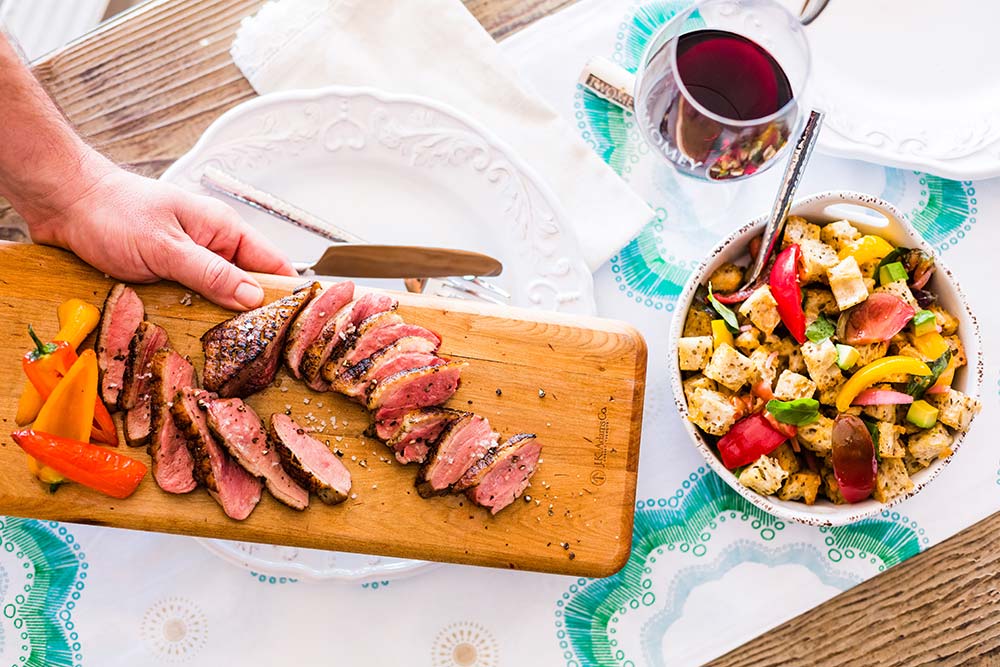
x=213 y=277
x=218 y=227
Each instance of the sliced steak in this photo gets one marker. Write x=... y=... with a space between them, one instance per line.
x=238 y=428
x=463 y=443
x=236 y=490
x=500 y=477
x=341 y=351
x=122 y=314
x=242 y=353
x=172 y=462
x=408 y=390
x=308 y=461
x=336 y=332
x=311 y=321
x=406 y=353
x=149 y=339
x=375 y=339
x=418 y=431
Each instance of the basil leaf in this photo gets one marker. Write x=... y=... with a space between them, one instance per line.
x=894 y=256
x=921 y=383
x=728 y=316
x=820 y=330
x=799 y=412
x=873 y=432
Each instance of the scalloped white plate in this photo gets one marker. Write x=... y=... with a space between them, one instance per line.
x=392 y=169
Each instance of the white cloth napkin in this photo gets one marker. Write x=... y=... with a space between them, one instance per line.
x=437 y=49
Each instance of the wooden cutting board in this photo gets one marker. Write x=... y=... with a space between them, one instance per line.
x=578 y=519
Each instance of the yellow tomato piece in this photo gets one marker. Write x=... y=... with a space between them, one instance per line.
x=875 y=372
x=930 y=345
x=721 y=334
x=77 y=319
x=867 y=248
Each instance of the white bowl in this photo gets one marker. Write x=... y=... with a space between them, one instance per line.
x=872 y=216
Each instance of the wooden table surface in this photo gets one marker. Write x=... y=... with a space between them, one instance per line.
x=143 y=88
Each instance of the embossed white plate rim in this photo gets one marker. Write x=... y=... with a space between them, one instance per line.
x=394 y=568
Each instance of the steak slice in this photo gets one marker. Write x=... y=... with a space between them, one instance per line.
x=172 y=462
x=236 y=490
x=463 y=443
x=418 y=431
x=370 y=342
x=122 y=314
x=308 y=461
x=242 y=354
x=406 y=353
x=238 y=428
x=500 y=477
x=338 y=330
x=408 y=390
x=149 y=339
x=311 y=321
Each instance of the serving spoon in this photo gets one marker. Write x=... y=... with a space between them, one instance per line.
x=779 y=211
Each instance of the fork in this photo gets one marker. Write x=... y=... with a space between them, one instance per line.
x=461 y=287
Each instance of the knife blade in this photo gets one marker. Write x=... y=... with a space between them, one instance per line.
x=358 y=260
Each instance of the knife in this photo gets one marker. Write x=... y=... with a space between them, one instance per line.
x=353 y=257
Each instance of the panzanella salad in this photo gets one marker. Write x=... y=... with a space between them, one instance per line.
x=833 y=379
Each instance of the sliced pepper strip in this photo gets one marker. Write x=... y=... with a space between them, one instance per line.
x=99 y=468
x=748 y=440
x=867 y=249
x=787 y=293
x=875 y=372
x=930 y=345
x=77 y=319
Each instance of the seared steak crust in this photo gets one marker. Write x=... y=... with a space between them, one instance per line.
x=419 y=430
x=500 y=477
x=242 y=353
x=311 y=321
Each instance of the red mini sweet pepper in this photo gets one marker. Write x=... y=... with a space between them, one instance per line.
x=748 y=440
x=785 y=288
x=99 y=468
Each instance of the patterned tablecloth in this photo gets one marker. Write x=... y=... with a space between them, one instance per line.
x=708 y=571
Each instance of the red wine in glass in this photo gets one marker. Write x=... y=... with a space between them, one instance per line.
x=716 y=103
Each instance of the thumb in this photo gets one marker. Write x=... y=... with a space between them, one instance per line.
x=214 y=278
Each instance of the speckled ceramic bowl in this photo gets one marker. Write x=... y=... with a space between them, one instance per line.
x=872 y=216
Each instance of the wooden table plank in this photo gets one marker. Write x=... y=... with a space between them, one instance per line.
x=937 y=608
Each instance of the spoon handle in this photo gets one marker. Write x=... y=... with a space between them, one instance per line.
x=789 y=184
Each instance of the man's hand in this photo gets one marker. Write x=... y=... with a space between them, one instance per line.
x=138 y=230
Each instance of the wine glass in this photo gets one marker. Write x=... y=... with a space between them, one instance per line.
x=718 y=87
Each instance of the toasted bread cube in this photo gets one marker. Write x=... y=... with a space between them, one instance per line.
x=711 y=411
x=913 y=466
x=786 y=458
x=847 y=283
x=944 y=319
x=955 y=409
x=828 y=396
x=761 y=368
x=890 y=446
x=728 y=367
x=748 y=340
x=818 y=302
x=821 y=360
x=698 y=323
x=838 y=234
x=891 y=480
x=694 y=352
x=882 y=413
x=792 y=385
x=802 y=485
x=726 y=278
x=761 y=309
x=697 y=382
x=929 y=444
x=817 y=259
x=869 y=269
x=831 y=488
x=902 y=290
x=957 y=351
x=869 y=352
x=817 y=436
x=796 y=362
x=798 y=229
x=764 y=476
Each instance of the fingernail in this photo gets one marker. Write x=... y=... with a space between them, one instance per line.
x=249 y=295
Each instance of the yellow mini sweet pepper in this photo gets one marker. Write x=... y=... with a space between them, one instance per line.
x=721 y=334
x=930 y=345
x=867 y=249
x=77 y=319
x=876 y=371
x=69 y=410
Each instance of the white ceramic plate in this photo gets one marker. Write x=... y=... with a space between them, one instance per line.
x=872 y=216
x=391 y=169
x=909 y=83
